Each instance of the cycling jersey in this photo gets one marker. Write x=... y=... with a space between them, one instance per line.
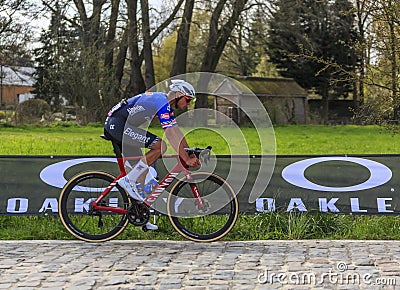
x=142 y=108
x=124 y=119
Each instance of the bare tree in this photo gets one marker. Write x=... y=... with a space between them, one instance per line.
x=383 y=73
x=182 y=41
x=136 y=81
x=111 y=35
x=15 y=32
x=363 y=19
x=147 y=50
x=219 y=33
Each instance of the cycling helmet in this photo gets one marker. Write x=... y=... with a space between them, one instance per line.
x=183 y=87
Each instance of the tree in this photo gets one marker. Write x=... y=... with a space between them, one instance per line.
x=219 y=33
x=15 y=32
x=387 y=17
x=55 y=46
x=110 y=34
x=136 y=81
x=147 y=50
x=363 y=20
x=220 y=29
x=379 y=29
x=313 y=42
x=182 y=40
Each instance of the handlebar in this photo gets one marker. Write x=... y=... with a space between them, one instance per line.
x=202 y=154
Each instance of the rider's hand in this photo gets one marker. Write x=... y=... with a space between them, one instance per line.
x=193 y=161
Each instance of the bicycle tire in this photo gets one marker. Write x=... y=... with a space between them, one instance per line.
x=79 y=219
x=196 y=224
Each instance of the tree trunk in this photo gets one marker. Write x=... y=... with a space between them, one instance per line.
x=395 y=68
x=110 y=38
x=217 y=40
x=325 y=104
x=90 y=26
x=120 y=60
x=147 y=50
x=182 y=41
x=136 y=83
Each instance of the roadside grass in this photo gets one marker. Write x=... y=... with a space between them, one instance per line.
x=266 y=226
x=69 y=139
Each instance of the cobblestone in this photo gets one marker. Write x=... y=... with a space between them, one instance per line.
x=311 y=264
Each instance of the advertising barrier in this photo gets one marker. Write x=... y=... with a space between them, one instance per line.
x=357 y=184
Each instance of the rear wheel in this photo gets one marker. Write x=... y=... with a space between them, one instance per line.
x=76 y=211
x=209 y=222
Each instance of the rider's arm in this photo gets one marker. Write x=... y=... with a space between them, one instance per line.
x=179 y=143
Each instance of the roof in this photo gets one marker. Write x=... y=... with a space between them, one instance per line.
x=17 y=76
x=278 y=87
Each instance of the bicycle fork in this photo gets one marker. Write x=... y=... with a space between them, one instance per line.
x=197 y=196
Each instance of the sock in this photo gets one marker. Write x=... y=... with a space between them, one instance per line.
x=136 y=171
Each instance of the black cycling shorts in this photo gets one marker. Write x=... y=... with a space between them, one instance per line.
x=130 y=139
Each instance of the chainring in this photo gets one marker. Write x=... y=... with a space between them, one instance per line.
x=138 y=214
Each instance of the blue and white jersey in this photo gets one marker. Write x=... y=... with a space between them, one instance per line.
x=144 y=107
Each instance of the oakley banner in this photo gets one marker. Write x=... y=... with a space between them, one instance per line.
x=367 y=184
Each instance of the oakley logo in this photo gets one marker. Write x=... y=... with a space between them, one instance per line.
x=54 y=174
x=294 y=174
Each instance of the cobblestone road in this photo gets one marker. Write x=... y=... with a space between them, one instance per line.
x=221 y=265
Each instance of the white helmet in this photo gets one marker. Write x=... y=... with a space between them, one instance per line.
x=183 y=87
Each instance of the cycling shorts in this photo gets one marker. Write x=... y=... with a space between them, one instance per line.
x=128 y=137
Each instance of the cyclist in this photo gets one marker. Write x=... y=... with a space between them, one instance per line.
x=122 y=126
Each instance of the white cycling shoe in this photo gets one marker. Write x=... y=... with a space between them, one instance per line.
x=130 y=189
x=151 y=227
x=125 y=184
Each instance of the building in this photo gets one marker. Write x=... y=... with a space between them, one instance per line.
x=16 y=85
x=284 y=99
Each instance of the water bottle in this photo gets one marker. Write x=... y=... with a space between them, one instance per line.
x=139 y=189
x=148 y=188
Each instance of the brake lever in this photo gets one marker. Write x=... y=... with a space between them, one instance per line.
x=205 y=154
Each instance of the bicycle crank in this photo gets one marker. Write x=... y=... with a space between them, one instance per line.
x=206 y=206
x=138 y=214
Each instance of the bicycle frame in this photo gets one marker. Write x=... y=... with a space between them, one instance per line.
x=151 y=198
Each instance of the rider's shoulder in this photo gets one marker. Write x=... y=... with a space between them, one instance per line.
x=156 y=95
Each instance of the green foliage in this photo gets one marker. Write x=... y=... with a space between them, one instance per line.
x=270 y=226
x=313 y=42
x=63 y=138
x=163 y=60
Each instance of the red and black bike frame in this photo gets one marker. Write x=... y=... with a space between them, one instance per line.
x=151 y=198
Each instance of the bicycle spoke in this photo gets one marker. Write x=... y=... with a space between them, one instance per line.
x=209 y=222
x=78 y=215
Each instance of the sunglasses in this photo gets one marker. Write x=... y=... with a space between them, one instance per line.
x=188 y=99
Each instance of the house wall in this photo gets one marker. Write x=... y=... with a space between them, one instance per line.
x=9 y=94
x=286 y=110
x=281 y=110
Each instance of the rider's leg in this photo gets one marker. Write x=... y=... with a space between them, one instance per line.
x=155 y=152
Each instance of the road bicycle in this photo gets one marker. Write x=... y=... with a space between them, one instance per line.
x=201 y=206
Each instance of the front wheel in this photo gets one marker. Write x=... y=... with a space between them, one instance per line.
x=77 y=214
x=213 y=218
